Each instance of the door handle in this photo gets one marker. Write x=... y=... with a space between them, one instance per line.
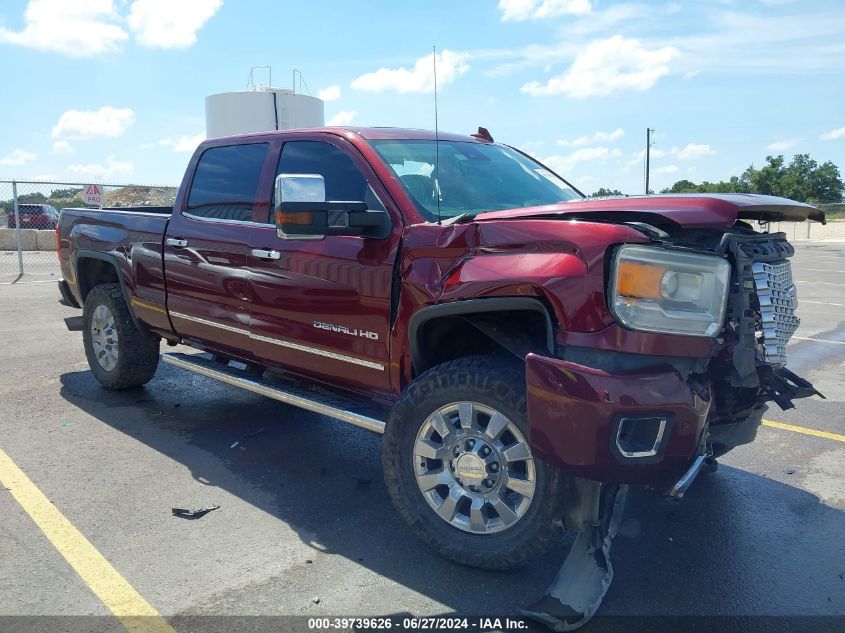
x=262 y=253
x=176 y=242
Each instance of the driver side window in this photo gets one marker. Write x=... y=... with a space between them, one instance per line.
x=344 y=181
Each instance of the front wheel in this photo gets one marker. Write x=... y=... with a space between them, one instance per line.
x=119 y=353
x=459 y=469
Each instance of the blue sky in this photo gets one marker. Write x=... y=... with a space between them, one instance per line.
x=103 y=90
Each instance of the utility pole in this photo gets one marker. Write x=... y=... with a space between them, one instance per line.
x=648 y=132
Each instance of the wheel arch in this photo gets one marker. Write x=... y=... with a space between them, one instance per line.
x=94 y=268
x=487 y=321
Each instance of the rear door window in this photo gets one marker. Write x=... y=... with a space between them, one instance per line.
x=225 y=182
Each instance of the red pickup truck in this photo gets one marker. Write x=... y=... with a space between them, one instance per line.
x=523 y=350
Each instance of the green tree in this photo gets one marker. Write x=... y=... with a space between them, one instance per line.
x=803 y=180
x=605 y=193
x=682 y=186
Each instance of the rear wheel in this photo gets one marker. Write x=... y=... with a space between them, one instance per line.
x=459 y=468
x=119 y=353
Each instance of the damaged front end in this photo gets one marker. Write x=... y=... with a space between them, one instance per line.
x=760 y=320
x=660 y=420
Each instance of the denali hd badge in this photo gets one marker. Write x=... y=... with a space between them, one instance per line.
x=373 y=336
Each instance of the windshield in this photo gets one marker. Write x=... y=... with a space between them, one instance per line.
x=473 y=177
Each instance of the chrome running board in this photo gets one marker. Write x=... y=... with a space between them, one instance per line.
x=333 y=406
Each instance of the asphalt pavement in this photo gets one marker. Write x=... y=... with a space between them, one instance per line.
x=305 y=526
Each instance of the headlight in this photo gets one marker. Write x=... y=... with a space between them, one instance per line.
x=658 y=290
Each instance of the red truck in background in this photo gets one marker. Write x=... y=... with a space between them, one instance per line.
x=525 y=351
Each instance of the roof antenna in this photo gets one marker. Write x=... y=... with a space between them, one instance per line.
x=436 y=138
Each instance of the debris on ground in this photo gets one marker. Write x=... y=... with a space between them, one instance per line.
x=254 y=433
x=316 y=600
x=185 y=513
x=234 y=445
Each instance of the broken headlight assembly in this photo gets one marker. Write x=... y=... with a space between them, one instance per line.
x=669 y=291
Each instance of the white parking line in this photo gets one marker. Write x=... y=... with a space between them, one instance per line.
x=824 y=283
x=817 y=340
x=824 y=303
x=21 y=283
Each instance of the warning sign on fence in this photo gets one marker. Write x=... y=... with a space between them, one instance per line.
x=93 y=195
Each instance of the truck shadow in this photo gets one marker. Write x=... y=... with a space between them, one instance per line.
x=707 y=555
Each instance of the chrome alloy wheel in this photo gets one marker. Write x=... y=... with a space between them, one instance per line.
x=104 y=337
x=474 y=467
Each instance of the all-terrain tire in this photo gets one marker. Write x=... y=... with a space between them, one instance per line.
x=137 y=351
x=495 y=383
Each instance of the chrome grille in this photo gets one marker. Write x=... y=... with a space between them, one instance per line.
x=778 y=298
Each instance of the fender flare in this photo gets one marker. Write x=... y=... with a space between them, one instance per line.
x=110 y=259
x=474 y=306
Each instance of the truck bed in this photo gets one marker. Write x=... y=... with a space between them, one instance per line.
x=130 y=238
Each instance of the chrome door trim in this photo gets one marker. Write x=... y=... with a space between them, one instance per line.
x=222 y=326
x=319 y=352
x=283 y=343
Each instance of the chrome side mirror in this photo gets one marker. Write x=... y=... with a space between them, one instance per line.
x=300 y=188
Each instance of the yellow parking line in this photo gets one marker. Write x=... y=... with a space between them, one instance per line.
x=804 y=430
x=136 y=614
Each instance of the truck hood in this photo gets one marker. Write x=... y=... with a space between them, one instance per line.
x=688 y=211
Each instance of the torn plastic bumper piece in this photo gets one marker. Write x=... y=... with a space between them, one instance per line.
x=783 y=386
x=583 y=580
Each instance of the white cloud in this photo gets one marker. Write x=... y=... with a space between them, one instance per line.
x=63 y=147
x=450 y=66
x=693 y=151
x=668 y=169
x=833 y=134
x=520 y=10
x=169 y=24
x=188 y=143
x=613 y=19
x=638 y=158
x=604 y=66
x=784 y=144
x=17 y=157
x=182 y=144
x=598 y=137
x=82 y=28
x=330 y=93
x=344 y=117
x=83 y=124
x=565 y=164
x=112 y=167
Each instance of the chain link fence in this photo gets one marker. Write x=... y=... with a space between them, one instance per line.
x=29 y=214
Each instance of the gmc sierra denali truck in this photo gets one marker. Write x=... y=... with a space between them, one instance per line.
x=523 y=350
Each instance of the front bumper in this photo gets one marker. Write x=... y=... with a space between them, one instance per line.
x=575 y=414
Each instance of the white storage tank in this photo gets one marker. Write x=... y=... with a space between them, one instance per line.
x=260 y=110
